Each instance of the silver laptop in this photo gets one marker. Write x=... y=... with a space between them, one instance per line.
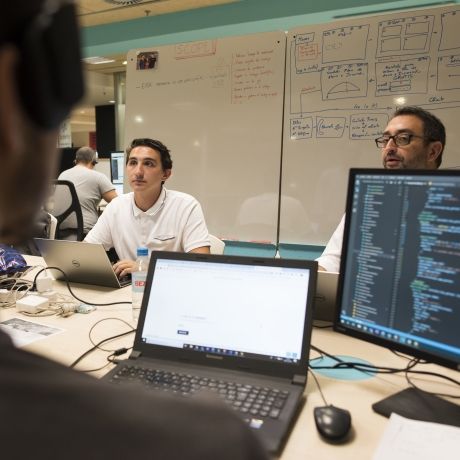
x=326 y=296
x=239 y=327
x=82 y=262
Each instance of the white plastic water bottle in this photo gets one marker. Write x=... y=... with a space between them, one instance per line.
x=138 y=278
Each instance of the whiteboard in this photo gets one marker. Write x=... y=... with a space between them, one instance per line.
x=218 y=106
x=343 y=81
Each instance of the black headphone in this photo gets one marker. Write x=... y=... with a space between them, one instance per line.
x=49 y=72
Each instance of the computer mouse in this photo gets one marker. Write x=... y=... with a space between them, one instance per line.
x=332 y=422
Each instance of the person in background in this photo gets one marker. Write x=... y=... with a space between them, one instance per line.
x=48 y=410
x=91 y=186
x=150 y=216
x=413 y=139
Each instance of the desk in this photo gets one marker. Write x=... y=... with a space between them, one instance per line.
x=304 y=442
x=74 y=341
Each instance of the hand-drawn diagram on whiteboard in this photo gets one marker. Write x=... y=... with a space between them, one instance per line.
x=343 y=82
x=402 y=36
x=364 y=65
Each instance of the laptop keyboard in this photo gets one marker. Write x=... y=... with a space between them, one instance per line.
x=254 y=401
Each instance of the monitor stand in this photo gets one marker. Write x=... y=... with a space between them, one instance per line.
x=419 y=405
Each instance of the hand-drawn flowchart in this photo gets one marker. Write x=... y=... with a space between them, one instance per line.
x=343 y=82
x=358 y=70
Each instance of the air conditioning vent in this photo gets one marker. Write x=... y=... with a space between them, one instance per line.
x=123 y=2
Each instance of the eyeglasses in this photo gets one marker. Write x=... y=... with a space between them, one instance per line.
x=399 y=139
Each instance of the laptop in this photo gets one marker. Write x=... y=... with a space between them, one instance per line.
x=82 y=262
x=239 y=327
x=326 y=296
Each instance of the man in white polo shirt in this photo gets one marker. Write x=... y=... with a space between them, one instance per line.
x=151 y=216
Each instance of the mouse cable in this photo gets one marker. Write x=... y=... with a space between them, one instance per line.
x=317 y=384
x=101 y=321
x=86 y=353
x=71 y=292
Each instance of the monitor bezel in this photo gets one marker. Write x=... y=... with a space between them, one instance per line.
x=343 y=328
x=111 y=167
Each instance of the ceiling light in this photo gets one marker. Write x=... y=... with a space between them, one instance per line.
x=97 y=60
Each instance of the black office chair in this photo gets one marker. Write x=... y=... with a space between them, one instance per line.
x=63 y=203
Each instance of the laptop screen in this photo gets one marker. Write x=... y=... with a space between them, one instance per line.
x=228 y=308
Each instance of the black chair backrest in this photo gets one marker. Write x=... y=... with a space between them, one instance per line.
x=65 y=206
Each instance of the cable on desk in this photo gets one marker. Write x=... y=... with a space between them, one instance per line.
x=118 y=352
x=100 y=321
x=73 y=294
x=318 y=385
x=384 y=370
x=16 y=286
x=86 y=353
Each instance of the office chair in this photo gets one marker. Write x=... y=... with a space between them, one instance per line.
x=217 y=245
x=64 y=205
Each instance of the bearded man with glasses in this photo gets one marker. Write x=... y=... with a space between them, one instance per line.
x=413 y=139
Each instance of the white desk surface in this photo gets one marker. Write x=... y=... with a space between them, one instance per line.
x=304 y=442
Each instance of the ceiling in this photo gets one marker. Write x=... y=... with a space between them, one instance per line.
x=99 y=77
x=95 y=12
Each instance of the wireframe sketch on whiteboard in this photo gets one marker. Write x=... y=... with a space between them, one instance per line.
x=345 y=44
x=399 y=37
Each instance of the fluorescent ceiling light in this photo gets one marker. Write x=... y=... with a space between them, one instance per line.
x=98 y=60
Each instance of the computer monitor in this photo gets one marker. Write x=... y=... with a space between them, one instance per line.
x=400 y=267
x=117 y=168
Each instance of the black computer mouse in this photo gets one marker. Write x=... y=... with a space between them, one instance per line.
x=332 y=422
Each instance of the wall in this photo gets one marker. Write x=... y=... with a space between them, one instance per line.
x=249 y=16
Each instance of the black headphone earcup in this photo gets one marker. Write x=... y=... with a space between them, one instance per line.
x=49 y=72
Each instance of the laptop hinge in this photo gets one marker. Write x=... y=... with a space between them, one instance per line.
x=299 y=379
x=134 y=354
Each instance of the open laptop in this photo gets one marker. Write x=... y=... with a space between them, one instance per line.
x=237 y=326
x=326 y=296
x=82 y=262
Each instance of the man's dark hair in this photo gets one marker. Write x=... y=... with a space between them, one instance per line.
x=15 y=17
x=166 y=161
x=48 y=69
x=433 y=129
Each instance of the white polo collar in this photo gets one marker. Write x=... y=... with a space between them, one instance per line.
x=154 y=209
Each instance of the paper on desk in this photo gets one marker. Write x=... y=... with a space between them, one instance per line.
x=406 y=439
x=23 y=332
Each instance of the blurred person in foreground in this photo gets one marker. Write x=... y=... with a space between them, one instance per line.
x=48 y=410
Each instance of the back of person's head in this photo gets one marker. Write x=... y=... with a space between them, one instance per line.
x=85 y=155
x=42 y=80
x=433 y=128
x=166 y=161
x=48 y=70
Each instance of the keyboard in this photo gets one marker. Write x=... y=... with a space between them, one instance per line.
x=252 y=400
